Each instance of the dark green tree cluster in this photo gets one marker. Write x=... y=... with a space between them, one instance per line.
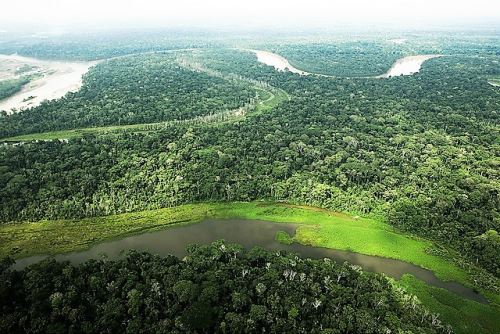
x=488 y=245
x=218 y=288
x=131 y=90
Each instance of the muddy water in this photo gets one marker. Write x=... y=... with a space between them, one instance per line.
x=407 y=66
x=249 y=233
x=57 y=79
x=278 y=62
x=404 y=66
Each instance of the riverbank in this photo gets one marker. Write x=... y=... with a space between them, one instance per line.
x=407 y=66
x=316 y=227
x=54 y=80
x=266 y=99
x=404 y=66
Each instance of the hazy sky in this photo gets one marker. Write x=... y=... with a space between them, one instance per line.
x=251 y=13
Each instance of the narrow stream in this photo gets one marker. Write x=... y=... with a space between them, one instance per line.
x=249 y=233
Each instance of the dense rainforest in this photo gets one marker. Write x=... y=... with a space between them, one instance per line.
x=96 y=45
x=218 y=288
x=353 y=59
x=131 y=90
x=420 y=152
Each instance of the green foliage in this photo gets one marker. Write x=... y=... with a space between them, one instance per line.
x=321 y=228
x=95 y=46
x=266 y=99
x=53 y=237
x=465 y=315
x=12 y=86
x=343 y=59
x=488 y=245
x=419 y=152
x=284 y=238
x=216 y=289
x=130 y=90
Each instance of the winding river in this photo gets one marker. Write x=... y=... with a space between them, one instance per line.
x=57 y=78
x=248 y=233
x=278 y=62
x=405 y=66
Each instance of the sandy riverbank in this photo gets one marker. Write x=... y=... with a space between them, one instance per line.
x=404 y=66
x=56 y=78
x=278 y=62
x=407 y=66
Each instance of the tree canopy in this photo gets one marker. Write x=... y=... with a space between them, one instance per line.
x=218 y=288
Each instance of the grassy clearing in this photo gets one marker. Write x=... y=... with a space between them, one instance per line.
x=323 y=228
x=60 y=236
x=317 y=228
x=270 y=99
x=465 y=315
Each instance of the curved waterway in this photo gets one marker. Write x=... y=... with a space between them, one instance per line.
x=248 y=233
x=404 y=66
x=278 y=62
x=407 y=66
x=56 y=78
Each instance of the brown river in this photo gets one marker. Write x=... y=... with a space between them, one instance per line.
x=405 y=66
x=249 y=233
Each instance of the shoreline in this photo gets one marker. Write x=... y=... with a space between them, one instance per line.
x=57 y=79
x=408 y=65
